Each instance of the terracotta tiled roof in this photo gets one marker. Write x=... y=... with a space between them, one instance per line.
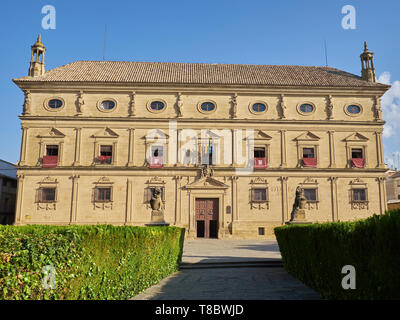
x=200 y=73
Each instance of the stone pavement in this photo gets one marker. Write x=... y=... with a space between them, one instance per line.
x=209 y=275
x=214 y=250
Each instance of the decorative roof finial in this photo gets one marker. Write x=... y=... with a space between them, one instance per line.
x=36 y=67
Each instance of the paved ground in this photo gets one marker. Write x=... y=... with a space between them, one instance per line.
x=214 y=250
x=218 y=281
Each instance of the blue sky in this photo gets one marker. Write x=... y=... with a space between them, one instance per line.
x=219 y=31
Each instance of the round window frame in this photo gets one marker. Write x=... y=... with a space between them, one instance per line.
x=207 y=112
x=353 y=114
x=46 y=104
x=101 y=109
x=148 y=106
x=252 y=103
x=306 y=113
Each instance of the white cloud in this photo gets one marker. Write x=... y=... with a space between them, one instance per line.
x=391 y=105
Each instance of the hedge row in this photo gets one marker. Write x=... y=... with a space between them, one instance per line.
x=316 y=254
x=90 y=262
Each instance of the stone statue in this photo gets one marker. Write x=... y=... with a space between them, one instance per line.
x=27 y=103
x=132 y=110
x=234 y=105
x=378 y=110
x=283 y=107
x=179 y=106
x=155 y=201
x=298 y=212
x=80 y=102
x=329 y=108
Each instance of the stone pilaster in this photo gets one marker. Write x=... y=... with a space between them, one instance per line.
x=19 y=200
x=131 y=148
x=334 y=199
x=332 y=156
x=285 y=214
x=77 y=155
x=283 y=149
x=74 y=199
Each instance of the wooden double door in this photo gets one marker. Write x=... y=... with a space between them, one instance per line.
x=207 y=210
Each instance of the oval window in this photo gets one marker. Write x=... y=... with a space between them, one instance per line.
x=108 y=104
x=259 y=107
x=207 y=106
x=353 y=109
x=157 y=105
x=55 y=103
x=306 y=108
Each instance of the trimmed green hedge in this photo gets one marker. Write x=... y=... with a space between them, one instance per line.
x=90 y=262
x=315 y=254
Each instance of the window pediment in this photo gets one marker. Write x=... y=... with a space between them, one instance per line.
x=356 y=137
x=52 y=133
x=105 y=133
x=258 y=135
x=307 y=136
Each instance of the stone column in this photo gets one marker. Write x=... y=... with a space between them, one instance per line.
x=23 y=146
x=379 y=150
x=178 y=200
x=235 y=209
x=74 y=199
x=40 y=153
x=233 y=148
x=129 y=211
x=131 y=148
x=332 y=157
x=283 y=148
x=334 y=203
x=382 y=202
x=20 y=192
x=77 y=156
x=285 y=215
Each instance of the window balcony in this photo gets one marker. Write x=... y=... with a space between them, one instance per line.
x=49 y=161
x=260 y=163
x=310 y=162
x=156 y=162
x=358 y=162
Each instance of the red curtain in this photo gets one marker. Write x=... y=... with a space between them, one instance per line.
x=260 y=163
x=358 y=162
x=310 y=162
x=49 y=161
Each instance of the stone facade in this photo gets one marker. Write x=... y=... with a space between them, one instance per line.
x=81 y=127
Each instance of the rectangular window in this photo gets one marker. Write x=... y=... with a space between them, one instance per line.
x=46 y=195
x=261 y=231
x=50 y=159
x=357 y=153
x=106 y=153
x=208 y=151
x=52 y=150
x=102 y=194
x=310 y=194
x=259 y=152
x=259 y=194
x=260 y=160
x=359 y=194
x=157 y=157
x=308 y=153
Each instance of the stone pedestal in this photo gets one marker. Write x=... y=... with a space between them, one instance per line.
x=157 y=219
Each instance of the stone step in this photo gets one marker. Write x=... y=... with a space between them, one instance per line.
x=232 y=264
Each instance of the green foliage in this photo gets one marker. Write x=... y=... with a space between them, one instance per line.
x=91 y=262
x=315 y=254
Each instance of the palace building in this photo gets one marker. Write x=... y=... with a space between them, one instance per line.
x=226 y=145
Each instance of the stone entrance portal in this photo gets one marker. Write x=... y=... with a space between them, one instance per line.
x=207 y=210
